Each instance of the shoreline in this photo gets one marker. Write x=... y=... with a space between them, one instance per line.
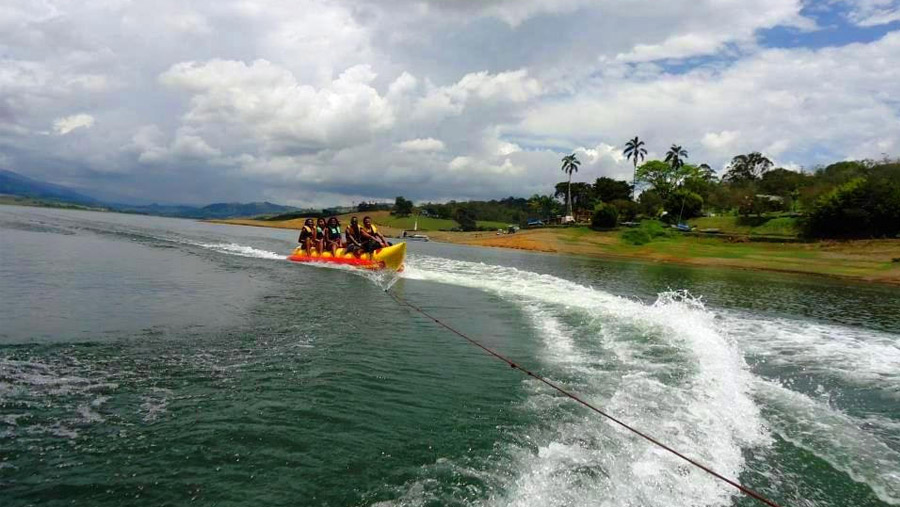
x=691 y=264
x=865 y=261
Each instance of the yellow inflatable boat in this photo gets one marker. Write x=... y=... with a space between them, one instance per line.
x=390 y=257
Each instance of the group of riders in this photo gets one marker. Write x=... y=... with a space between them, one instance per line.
x=325 y=236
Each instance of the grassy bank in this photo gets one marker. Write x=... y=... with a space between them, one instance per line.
x=428 y=224
x=868 y=260
x=777 y=226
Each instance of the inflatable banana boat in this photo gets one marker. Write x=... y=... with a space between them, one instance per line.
x=389 y=257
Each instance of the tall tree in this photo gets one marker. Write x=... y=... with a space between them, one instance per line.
x=707 y=173
x=675 y=156
x=608 y=189
x=402 y=206
x=570 y=165
x=544 y=205
x=747 y=168
x=701 y=179
x=582 y=194
x=634 y=150
x=663 y=178
x=466 y=219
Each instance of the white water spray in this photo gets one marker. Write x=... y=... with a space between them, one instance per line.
x=242 y=251
x=673 y=372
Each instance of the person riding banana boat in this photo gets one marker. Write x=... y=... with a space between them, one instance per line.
x=363 y=245
x=353 y=235
x=320 y=235
x=371 y=233
x=333 y=236
x=312 y=236
x=307 y=237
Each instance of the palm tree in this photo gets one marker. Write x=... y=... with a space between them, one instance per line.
x=634 y=149
x=675 y=156
x=570 y=165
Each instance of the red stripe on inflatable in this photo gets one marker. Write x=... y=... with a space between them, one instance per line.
x=353 y=261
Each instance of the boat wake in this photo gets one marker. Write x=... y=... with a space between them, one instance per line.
x=665 y=367
x=242 y=250
x=678 y=370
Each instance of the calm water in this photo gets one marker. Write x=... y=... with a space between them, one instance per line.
x=150 y=361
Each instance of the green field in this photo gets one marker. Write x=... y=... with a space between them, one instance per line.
x=750 y=226
x=655 y=242
x=432 y=224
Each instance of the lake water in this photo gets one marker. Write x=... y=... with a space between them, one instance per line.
x=151 y=361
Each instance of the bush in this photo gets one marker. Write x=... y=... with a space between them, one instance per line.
x=636 y=237
x=606 y=216
x=628 y=209
x=685 y=204
x=646 y=232
x=650 y=203
x=861 y=208
x=466 y=219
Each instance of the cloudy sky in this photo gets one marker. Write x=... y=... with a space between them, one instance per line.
x=315 y=103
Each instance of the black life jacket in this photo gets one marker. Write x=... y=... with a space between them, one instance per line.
x=305 y=232
x=353 y=231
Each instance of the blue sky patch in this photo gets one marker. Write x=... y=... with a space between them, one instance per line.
x=834 y=29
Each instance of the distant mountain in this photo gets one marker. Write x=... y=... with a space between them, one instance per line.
x=236 y=209
x=161 y=210
x=216 y=210
x=15 y=184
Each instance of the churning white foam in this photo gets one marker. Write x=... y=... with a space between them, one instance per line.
x=66 y=384
x=834 y=437
x=679 y=373
x=676 y=375
x=858 y=356
x=243 y=251
x=559 y=344
x=862 y=445
x=155 y=403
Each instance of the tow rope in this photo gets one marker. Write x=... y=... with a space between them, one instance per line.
x=743 y=489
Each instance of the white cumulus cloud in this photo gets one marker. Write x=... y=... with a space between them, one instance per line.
x=773 y=101
x=426 y=144
x=323 y=100
x=873 y=12
x=66 y=124
x=267 y=103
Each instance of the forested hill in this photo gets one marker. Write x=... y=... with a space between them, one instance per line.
x=215 y=210
x=15 y=184
x=18 y=185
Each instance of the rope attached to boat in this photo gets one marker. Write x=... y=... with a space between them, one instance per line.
x=743 y=489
